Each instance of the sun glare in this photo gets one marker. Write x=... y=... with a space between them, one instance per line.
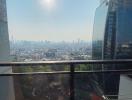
x=48 y=4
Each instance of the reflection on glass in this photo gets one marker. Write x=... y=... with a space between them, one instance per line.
x=99 y=29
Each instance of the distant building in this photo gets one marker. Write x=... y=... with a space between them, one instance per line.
x=6 y=83
x=51 y=53
x=112 y=37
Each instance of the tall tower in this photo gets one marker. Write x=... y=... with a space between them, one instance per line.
x=6 y=83
x=112 y=38
x=4 y=38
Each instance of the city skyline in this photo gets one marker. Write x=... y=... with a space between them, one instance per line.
x=53 y=20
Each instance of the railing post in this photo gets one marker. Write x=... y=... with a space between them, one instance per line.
x=72 y=88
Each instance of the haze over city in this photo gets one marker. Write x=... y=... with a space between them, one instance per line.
x=53 y=20
x=66 y=50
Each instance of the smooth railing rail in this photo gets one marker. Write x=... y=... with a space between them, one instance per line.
x=119 y=61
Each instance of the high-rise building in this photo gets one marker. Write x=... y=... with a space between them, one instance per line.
x=6 y=83
x=112 y=30
x=4 y=38
x=112 y=37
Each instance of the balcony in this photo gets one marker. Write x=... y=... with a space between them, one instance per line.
x=71 y=80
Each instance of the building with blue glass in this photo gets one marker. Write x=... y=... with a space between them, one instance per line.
x=112 y=38
x=112 y=34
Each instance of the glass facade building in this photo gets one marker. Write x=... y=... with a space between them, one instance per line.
x=99 y=29
x=112 y=30
x=6 y=83
x=112 y=37
x=4 y=38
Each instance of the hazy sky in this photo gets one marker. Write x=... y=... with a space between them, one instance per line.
x=53 y=20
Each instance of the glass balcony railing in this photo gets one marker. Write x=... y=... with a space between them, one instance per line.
x=68 y=80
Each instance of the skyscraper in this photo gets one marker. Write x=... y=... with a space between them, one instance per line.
x=6 y=83
x=112 y=36
x=4 y=38
x=112 y=30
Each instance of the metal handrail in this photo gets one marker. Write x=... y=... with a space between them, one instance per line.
x=68 y=72
x=66 y=62
x=72 y=71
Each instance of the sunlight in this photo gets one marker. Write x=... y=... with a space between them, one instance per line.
x=48 y=4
